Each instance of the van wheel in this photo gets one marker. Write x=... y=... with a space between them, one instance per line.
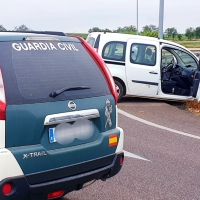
x=120 y=89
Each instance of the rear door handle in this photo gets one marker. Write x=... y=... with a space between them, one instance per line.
x=153 y=72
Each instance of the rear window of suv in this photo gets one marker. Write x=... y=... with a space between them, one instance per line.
x=33 y=70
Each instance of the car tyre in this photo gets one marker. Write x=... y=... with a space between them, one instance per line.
x=120 y=89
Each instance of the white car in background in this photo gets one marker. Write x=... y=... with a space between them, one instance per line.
x=148 y=67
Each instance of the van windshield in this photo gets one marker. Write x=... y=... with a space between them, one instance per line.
x=90 y=40
x=32 y=70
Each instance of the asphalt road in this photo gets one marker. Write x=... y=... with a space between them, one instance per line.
x=162 y=145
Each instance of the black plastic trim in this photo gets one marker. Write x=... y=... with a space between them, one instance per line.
x=153 y=73
x=69 y=170
x=196 y=81
x=114 y=63
x=145 y=82
x=22 y=190
x=96 y=44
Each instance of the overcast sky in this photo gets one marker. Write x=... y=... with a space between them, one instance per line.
x=78 y=16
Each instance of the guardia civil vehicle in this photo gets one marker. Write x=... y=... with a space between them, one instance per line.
x=149 y=67
x=58 y=117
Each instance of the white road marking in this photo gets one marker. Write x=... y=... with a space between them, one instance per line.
x=128 y=154
x=156 y=125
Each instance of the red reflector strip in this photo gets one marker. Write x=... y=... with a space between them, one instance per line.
x=121 y=161
x=2 y=99
x=113 y=140
x=7 y=189
x=56 y=194
x=2 y=110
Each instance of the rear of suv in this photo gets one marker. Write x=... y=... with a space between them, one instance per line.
x=58 y=117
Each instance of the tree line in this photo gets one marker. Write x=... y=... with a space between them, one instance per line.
x=148 y=30
x=152 y=31
x=17 y=28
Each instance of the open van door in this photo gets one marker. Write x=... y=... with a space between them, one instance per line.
x=143 y=67
x=196 y=85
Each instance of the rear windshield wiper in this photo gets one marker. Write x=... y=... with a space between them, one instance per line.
x=56 y=93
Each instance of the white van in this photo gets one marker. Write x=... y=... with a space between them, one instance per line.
x=148 y=67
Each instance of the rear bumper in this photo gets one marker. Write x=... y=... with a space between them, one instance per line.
x=24 y=191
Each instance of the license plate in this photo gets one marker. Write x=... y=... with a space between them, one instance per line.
x=52 y=138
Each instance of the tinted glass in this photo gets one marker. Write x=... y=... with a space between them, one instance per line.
x=143 y=54
x=183 y=59
x=186 y=58
x=33 y=70
x=114 y=51
x=167 y=57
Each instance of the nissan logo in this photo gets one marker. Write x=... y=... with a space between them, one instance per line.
x=72 y=105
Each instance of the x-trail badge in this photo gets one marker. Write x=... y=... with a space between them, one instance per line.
x=72 y=105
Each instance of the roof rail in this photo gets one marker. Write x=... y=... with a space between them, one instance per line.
x=40 y=32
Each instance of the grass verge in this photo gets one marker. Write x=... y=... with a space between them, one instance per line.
x=83 y=35
x=189 y=43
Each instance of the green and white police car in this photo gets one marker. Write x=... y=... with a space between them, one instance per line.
x=58 y=117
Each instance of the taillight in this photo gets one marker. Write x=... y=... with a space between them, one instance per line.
x=121 y=161
x=102 y=66
x=2 y=99
x=56 y=194
x=7 y=189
